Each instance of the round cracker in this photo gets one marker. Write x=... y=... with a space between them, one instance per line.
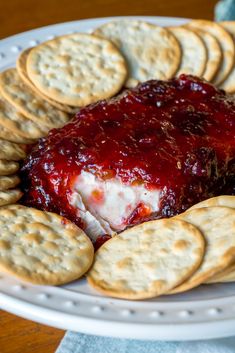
x=13 y=120
x=229 y=84
x=194 y=53
x=42 y=247
x=23 y=98
x=217 y=224
x=151 y=52
x=214 y=54
x=147 y=260
x=8 y=167
x=8 y=197
x=11 y=151
x=8 y=181
x=8 y=135
x=77 y=69
x=22 y=71
x=226 y=42
x=223 y=200
x=228 y=275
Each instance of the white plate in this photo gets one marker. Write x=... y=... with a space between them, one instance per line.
x=206 y=312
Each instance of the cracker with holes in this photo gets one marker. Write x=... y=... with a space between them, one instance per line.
x=9 y=135
x=229 y=84
x=227 y=275
x=8 y=167
x=226 y=42
x=214 y=53
x=8 y=181
x=42 y=247
x=217 y=225
x=77 y=69
x=194 y=54
x=22 y=71
x=151 y=52
x=13 y=120
x=8 y=197
x=222 y=200
x=147 y=260
x=24 y=99
x=11 y=151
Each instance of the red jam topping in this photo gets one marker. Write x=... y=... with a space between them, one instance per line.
x=177 y=136
x=101 y=240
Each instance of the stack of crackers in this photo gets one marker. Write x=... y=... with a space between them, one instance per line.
x=54 y=80
x=202 y=48
x=58 y=77
x=10 y=155
x=166 y=256
x=169 y=256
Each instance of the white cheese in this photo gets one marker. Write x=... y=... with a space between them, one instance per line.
x=110 y=203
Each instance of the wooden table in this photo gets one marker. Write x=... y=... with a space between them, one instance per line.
x=18 y=335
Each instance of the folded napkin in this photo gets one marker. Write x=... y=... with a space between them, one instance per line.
x=80 y=343
x=225 y=10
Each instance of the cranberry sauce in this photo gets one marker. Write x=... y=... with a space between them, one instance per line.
x=177 y=136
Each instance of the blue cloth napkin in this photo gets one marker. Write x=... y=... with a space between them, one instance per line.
x=225 y=10
x=80 y=343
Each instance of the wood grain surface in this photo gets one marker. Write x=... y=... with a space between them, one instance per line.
x=18 y=335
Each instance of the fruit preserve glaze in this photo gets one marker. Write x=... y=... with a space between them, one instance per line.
x=151 y=152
